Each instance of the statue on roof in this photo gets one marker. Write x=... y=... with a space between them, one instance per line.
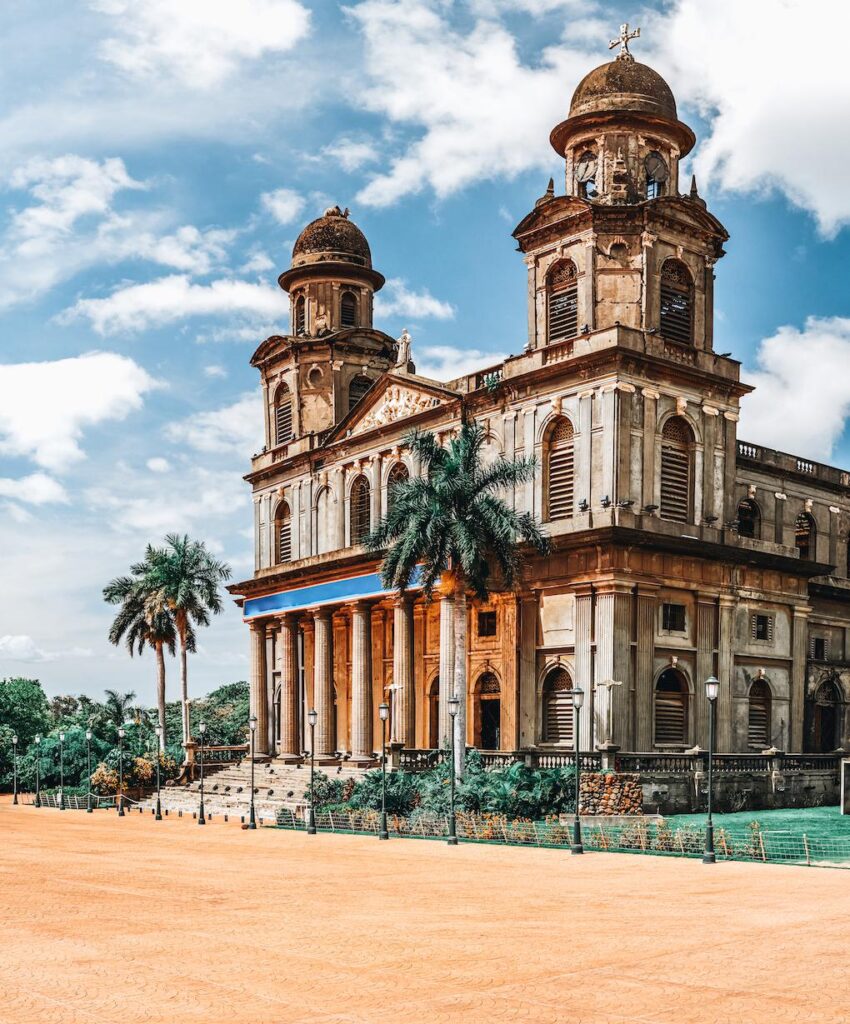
x=403 y=363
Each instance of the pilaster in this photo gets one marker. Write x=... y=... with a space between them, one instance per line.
x=323 y=688
x=799 y=654
x=361 y=683
x=258 y=703
x=447 y=666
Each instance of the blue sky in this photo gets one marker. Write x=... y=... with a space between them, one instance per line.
x=157 y=160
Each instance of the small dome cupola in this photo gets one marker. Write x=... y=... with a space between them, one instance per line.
x=330 y=280
x=622 y=140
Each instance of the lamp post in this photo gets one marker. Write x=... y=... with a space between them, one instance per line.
x=312 y=718
x=454 y=708
x=15 y=769
x=202 y=729
x=38 y=769
x=88 y=771
x=712 y=688
x=61 y=771
x=384 y=714
x=578 y=700
x=121 y=772
x=158 y=731
x=252 y=726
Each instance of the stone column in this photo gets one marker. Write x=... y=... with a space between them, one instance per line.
x=799 y=653
x=527 y=648
x=709 y=424
x=405 y=720
x=779 y=518
x=323 y=688
x=706 y=640
x=258 y=703
x=288 y=661
x=834 y=513
x=650 y=427
x=447 y=667
x=612 y=704
x=361 y=683
x=272 y=641
x=730 y=504
x=725 y=668
x=644 y=666
x=584 y=662
x=584 y=448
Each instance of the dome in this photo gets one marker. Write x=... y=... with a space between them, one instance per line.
x=624 y=84
x=332 y=237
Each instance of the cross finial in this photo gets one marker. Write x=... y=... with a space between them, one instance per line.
x=622 y=41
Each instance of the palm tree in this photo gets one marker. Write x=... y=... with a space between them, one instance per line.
x=142 y=620
x=186 y=578
x=117 y=706
x=449 y=525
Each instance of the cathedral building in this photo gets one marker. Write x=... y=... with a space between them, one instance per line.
x=678 y=550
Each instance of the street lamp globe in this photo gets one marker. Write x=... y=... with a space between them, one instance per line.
x=252 y=723
x=202 y=728
x=121 y=734
x=38 y=738
x=312 y=717
x=712 y=688
x=454 y=706
x=89 y=735
x=578 y=697
x=14 y=741
x=62 y=737
x=158 y=730
x=383 y=711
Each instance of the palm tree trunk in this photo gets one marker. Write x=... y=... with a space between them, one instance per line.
x=460 y=677
x=160 y=692
x=184 y=681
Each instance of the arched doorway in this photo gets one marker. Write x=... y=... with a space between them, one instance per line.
x=488 y=712
x=434 y=714
x=826 y=718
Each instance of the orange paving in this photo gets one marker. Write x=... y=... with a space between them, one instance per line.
x=113 y=921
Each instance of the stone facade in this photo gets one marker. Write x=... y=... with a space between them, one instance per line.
x=678 y=551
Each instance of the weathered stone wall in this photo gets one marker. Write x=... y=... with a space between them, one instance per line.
x=738 y=791
x=611 y=793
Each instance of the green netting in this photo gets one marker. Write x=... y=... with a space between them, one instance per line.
x=815 y=822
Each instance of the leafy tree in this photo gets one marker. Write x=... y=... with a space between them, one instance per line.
x=74 y=758
x=64 y=707
x=24 y=708
x=452 y=523
x=185 y=578
x=143 y=620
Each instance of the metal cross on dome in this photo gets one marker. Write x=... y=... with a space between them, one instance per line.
x=623 y=40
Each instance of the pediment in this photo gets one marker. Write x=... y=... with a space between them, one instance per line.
x=394 y=398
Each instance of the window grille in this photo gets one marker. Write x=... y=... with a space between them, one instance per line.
x=671 y=709
x=676 y=303
x=761 y=628
x=818 y=648
x=357 y=389
x=758 y=722
x=561 y=482
x=360 y=510
x=563 y=301
x=348 y=310
x=558 y=715
x=488 y=685
x=486 y=623
x=673 y=617
x=284 y=535
x=283 y=416
x=676 y=470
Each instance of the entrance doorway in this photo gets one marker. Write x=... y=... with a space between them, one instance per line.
x=434 y=714
x=488 y=712
x=826 y=719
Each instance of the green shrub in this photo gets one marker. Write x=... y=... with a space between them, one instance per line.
x=327 y=791
x=402 y=792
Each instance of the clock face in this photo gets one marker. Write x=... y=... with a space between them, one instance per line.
x=656 y=169
x=586 y=168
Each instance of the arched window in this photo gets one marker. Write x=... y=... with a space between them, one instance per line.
x=283 y=533
x=558 y=707
x=282 y=415
x=826 y=718
x=357 y=389
x=360 y=510
x=677 y=303
x=323 y=528
x=559 y=478
x=348 y=309
x=562 y=298
x=434 y=714
x=397 y=475
x=758 y=721
x=586 y=175
x=671 y=709
x=656 y=174
x=749 y=518
x=488 y=713
x=677 y=469
x=805 y=535
x=299 y=318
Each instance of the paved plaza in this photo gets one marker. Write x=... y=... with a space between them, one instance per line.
x=109 y=920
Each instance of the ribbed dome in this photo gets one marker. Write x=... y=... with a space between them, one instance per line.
x=332 y=237
x=623 y=84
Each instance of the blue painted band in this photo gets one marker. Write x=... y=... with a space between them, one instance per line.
x=334 y=592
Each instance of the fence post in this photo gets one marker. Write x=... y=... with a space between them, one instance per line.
x=806 y=848
x=761 y=844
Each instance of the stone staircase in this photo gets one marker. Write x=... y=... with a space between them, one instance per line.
x=228 y=790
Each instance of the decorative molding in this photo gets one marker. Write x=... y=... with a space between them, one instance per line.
x=397 y=403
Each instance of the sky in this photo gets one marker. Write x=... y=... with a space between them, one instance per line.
x=158 y=159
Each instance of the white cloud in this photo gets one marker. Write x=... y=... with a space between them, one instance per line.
x=446 y=362
x=35 y=489
x=775 y=92
x=802 y=397
x=158 y=465
x=481 y=111
x=199 y=42
x=215 y=371
x=398 y=300
x=167 y=299
x=284 y=204
x=252 y=331
x=21 y=647
x=45 y=407
x=236 y=428
x=352 y=154
x=258 y=262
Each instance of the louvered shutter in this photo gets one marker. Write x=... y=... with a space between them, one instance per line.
x=671 y=714
x=283 y=420
x=284 y=537
x=561 y=470
x=563 y=301
x=360 y=511
x=348 y=310
x=758 y=725
x=676 y=303
x=676 y=470
x=557 y=708
x=357 y=389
